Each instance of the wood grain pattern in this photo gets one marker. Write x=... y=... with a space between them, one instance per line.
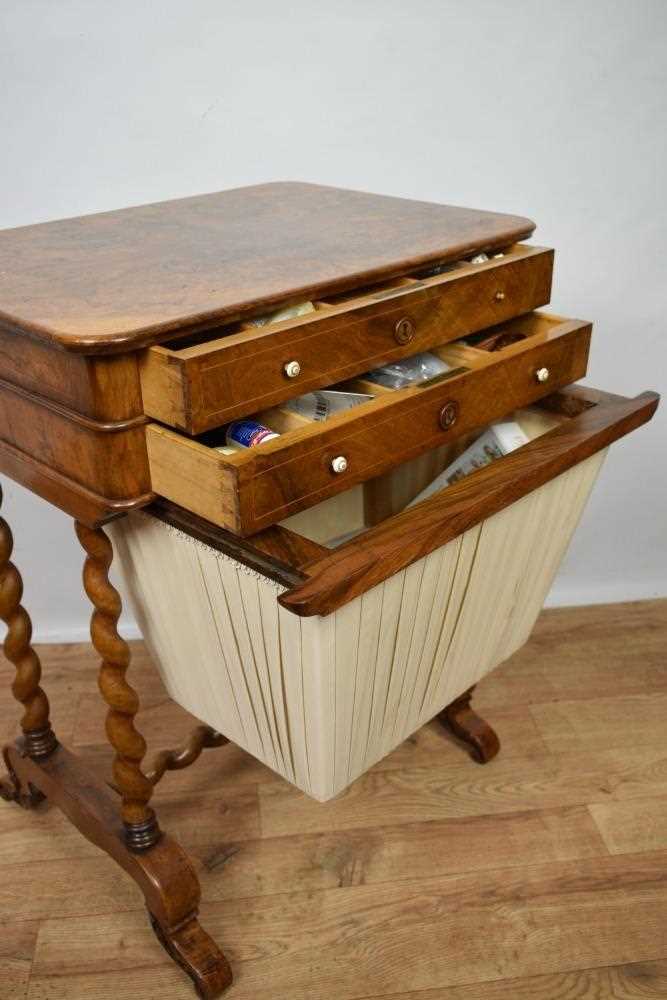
x=358 y=941
x=232 y=374
x=634 y=981
x=617 y=720
x=108 y=458
x=546 y=782
x=17 y=948
x=124 y=279
x=528 y=874
x=104 y=388
x=354 y=568
x=631 y=827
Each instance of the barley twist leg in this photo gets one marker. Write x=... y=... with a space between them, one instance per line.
x=141 y=827
x=39 y=740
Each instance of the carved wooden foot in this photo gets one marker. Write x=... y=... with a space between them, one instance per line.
x=164 y=872
x=198 y=955
x=461 y=720
x=11 y=789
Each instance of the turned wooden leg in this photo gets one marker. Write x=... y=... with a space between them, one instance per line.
x=39 y=740
x=467 y=726
x=141 y=827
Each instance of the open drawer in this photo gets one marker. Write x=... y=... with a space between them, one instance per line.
x=393 y=624
x=248 y=490
x=220 y=374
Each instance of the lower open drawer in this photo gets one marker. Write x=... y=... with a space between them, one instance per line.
x=516 y=364
x=320 y=661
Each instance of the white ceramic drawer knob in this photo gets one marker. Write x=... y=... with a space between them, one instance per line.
x=542 y=374
x=339 y=464
x=292 y=369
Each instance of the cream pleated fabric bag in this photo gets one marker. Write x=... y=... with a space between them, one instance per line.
x=321 y=699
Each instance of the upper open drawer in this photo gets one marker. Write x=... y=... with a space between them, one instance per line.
x=248 y=490
x=221 y=374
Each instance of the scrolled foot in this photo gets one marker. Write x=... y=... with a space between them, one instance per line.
x=198 y=955
x=464 y=723
x=12 y=789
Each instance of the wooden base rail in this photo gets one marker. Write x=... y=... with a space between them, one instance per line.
x=202 y=738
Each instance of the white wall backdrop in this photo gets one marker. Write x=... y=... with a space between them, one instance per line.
x=557 y=111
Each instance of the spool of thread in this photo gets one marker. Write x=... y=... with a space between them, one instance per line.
x=248 y=434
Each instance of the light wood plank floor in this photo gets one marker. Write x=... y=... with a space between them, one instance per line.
x=541 y=876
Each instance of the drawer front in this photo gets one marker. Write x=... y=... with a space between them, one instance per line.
x=301 y=475
x=256 y=488
x=202 y=387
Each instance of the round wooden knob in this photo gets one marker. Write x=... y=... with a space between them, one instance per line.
x=404 y=330
x=449 y=414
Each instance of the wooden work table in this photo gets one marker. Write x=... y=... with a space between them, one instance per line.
x=110 y=326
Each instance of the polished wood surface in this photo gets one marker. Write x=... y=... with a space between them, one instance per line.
x=197 y=386
x=120 y=280
x=456 y=869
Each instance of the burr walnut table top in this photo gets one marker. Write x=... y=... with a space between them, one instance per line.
x=117 y=281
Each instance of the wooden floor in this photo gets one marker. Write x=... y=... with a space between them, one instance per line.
x=540 y=876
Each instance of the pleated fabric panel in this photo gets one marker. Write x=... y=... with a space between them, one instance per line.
x=320 y=700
